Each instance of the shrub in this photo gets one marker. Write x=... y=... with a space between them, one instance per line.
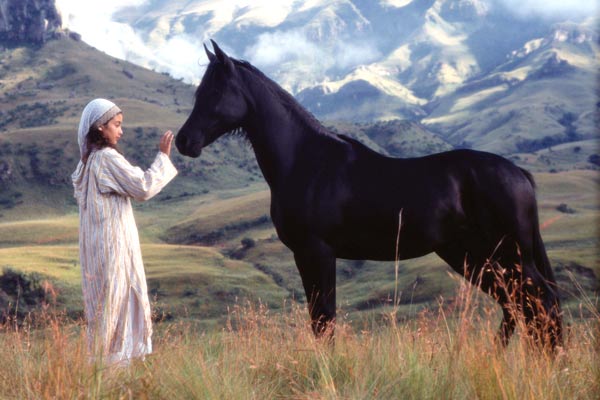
x=564 y=208
x=21 y=293
x=594 y=159
x=60 y=71
x=248 y=243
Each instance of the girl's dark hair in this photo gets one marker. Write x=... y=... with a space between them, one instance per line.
x=95 y=141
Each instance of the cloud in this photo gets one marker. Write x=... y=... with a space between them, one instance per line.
x=181 y=56
x=353 y=54
x=94 y=21
x=312 y=61
x=551 y=8
x=279 y=47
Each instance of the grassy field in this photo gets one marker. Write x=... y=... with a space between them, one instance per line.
x=258 y=354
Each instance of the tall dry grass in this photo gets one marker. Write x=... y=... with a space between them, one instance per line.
x=449 y=353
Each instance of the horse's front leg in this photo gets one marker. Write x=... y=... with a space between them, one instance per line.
x=316 y=264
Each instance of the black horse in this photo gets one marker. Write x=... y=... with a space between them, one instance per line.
x=332 y=197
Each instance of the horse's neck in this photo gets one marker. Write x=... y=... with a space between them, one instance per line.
x=278 y=139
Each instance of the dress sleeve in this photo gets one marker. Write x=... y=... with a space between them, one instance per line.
x=117 y=175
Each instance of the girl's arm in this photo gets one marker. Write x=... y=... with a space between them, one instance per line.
x=117 y=175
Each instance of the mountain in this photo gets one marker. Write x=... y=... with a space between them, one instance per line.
x=478 y=73
x=542 y=96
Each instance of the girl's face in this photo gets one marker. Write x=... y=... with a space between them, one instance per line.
x=112 y=131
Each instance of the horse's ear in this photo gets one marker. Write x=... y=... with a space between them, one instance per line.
x=211 y=56
x=221 y=56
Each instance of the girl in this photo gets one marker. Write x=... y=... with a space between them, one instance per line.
x=115 y=295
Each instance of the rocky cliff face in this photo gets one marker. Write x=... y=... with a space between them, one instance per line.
x=28 y=21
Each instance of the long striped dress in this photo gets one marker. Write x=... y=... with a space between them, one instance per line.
x=115 y=293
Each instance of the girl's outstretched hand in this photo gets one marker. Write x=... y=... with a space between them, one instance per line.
x=165 y=143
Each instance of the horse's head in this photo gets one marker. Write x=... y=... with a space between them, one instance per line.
x=220 y=105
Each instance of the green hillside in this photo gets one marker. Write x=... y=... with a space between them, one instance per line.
x=42 y=93
x=207 y=239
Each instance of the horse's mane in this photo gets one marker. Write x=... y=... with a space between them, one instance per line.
x=288 y=101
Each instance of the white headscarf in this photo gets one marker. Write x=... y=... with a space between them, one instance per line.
x=96 y=113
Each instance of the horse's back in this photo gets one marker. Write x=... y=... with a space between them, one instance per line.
x=438 y=194
x=464 y=170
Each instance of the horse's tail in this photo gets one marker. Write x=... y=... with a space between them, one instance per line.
x=540 y=257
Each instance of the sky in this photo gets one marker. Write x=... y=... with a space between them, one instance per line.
x=180 y=54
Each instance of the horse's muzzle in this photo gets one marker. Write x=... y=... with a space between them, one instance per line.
x=186 y=147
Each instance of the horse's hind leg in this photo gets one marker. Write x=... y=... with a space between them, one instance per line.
x=316 y=264
x=523 y=292
x=471 y=267
x=540 y=306
x=528 y=292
